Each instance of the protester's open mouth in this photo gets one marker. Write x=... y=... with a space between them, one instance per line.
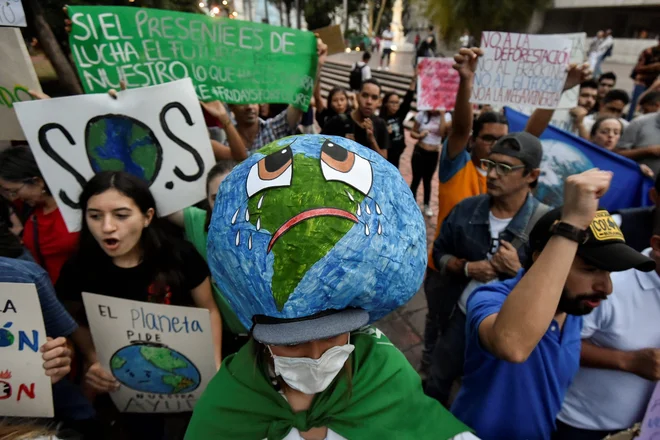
x=593 y=303
x=111 y=243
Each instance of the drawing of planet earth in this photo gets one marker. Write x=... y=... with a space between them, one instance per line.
x=121 y=143
x=560 y=160
x=310 y=223
x=154 y=368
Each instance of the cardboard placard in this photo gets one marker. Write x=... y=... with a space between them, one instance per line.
x=333 y=37
x=12 y=13
x=162 y=355
x=25 y=390
x=17 y=76
x=437 y=84
x=521 y=70
x=237 y=62
x=157 y=133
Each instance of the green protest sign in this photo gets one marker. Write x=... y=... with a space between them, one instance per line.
x=233 y=61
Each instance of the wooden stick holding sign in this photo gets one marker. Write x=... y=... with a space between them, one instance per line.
x=162 y=355
x=25 y=390
x=521 y=70
x=156 y=133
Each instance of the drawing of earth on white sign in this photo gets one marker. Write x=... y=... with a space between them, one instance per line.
x=154 y=368
x=560 y=160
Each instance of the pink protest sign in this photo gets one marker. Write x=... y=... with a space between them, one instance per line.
x=437 y=84
x=651 y=423
x=521 y=70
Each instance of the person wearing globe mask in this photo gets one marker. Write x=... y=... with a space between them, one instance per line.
x=313 y=369
x=125 y=253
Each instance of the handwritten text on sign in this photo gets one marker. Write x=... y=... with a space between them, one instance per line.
x=437 y=84
x=155 y=133
x=229 y=60
x=12 y=13
x=521 y=69
x=161 y=355
x=25 y=390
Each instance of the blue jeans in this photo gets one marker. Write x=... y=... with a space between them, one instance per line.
x=638 y=89
x=448 y=358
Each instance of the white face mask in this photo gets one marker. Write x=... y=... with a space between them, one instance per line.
x=311 y=376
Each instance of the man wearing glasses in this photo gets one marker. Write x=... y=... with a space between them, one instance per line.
x=484 y=239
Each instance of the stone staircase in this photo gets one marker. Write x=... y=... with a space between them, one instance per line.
x=336 y=74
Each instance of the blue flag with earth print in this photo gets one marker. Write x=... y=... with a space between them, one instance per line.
x=565 y=154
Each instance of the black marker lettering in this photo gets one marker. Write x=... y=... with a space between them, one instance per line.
x=45 y=145
x=181 y=143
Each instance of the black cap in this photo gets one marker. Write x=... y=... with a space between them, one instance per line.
x=605 y=247
x=522 y=145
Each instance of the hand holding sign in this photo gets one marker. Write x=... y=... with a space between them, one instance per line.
x=466 y=61
x=100 y=380
x=57 y=358
x=581 y=195
x=577 y=74
x=645 y=363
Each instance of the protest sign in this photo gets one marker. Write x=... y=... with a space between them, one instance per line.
x=521 y=70
x=162 y=355
x=565 y=155
x=12 y=13
x=651 y=423
x=25 y=390
x=156 y=133
x=333 y=37
x=17 y=76
x=233 y=61
x=437 y=84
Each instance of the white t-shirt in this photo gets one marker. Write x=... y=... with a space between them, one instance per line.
x=366 y=70
x=590 y=120
x=294 y=434
x=432 y=125
x=387 y=44
x=609 y=399
x=496 y=226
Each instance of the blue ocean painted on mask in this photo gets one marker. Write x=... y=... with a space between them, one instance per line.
x=310 y=223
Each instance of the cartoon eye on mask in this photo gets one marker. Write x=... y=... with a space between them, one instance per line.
x=339 y=164
x=274 y=170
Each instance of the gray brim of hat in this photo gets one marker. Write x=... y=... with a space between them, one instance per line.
x=299 y=332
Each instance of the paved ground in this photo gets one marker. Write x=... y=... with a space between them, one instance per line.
x=405 y=326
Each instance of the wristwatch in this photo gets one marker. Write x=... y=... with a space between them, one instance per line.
x=566 y=230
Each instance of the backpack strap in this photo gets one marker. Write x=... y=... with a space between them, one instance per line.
x=540 y=211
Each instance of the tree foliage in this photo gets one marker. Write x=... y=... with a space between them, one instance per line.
x=454 y=16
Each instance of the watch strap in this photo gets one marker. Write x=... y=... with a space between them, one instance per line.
x=569 y=231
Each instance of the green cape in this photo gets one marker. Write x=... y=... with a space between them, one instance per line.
x=385 y=401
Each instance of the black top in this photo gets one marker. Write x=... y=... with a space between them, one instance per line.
x=135 y=283
x=341 y=125
x=324 y=116
x=395 y=122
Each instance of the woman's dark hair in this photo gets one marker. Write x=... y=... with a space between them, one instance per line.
x=10 y=244
x=158 y=249
x=383 y=107
x=600 y=121
x=17 y=164
x=332 y=93
x=220 y=168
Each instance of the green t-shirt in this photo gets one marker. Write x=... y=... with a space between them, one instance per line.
x=383 y=399
x=193 y=225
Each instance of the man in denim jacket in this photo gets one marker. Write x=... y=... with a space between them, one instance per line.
x=484 y=238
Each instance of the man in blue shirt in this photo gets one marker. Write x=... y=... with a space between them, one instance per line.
x=523 y=335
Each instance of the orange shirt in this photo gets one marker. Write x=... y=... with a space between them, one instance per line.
x=459 y=179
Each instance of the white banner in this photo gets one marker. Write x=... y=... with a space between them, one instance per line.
x=521 y=70
x=17 y=76
x=12 y=13
x=162 y=355
x=25 y=390
x=156 y=133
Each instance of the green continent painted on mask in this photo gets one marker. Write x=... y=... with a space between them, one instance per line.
x=293 y=254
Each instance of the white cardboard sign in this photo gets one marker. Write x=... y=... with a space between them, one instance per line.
x=12 y=13
x=162 y=355
x=521 y=70
x=17 y=76
x=25 y=390
x=157 y=133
